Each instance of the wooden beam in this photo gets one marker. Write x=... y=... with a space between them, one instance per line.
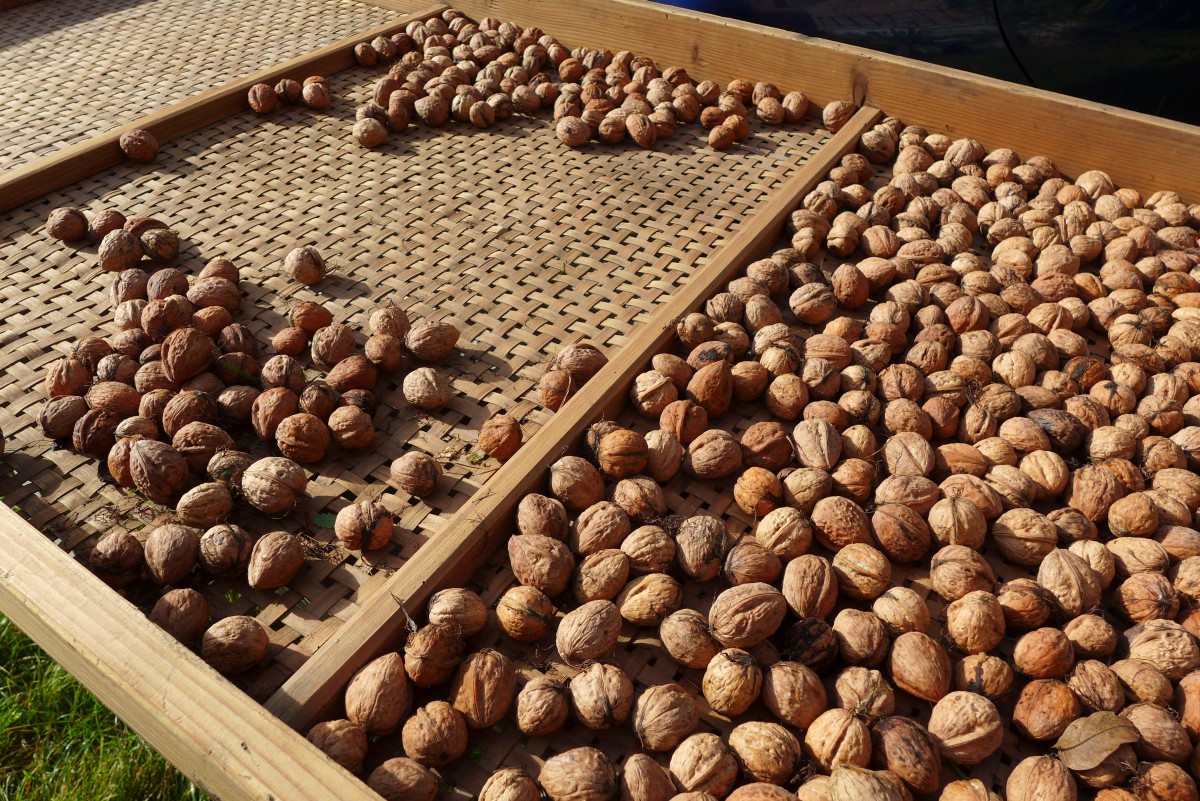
x=1138 y=150
x=481 y=524
x=229 y=745
x=75 y=163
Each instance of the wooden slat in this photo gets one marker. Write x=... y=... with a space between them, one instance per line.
x=1137 y=150
x=226 y=743
x=480 y=525
x=75 y=163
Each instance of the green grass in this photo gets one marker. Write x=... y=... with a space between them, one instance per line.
x=58 y=742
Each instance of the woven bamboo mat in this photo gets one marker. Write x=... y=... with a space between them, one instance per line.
x=74 y=68
x=641 y=655
x=525 y=244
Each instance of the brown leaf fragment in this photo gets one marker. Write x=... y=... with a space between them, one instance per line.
x=1090 y=740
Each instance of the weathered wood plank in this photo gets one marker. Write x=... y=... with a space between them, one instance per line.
x=223 y=740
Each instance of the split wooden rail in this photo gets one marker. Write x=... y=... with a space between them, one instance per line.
x=235 y=748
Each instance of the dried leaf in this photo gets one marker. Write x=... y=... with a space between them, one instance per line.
x=1089 y=741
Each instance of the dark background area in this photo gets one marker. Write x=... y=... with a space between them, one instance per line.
x=1142 y=55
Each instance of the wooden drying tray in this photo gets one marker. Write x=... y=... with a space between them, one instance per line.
x=484 y=521
x=230 y=745
x=1138 y=150
x=958 y=103
x=75 y=163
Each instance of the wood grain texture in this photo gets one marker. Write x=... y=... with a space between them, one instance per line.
x=482 y=524
x=226 y=743
x=85 y=159
x=1138 y=150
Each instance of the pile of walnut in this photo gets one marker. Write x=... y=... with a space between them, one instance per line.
x=930 y=410
x=314 y=93
x=448 y=67
x=168 y=399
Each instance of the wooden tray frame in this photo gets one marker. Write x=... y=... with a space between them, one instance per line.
x=235 y=748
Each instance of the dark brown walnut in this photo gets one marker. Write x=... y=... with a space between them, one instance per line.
x=920 y=666
x=663 y=716
x=1044 y=709
x=316 y=398
x=525 y=613
x=811 y=642
x=225 y=550
x=987 y=675
x=158 y=470
x=713 y=454
x=511 y=784
x=235 y=644
x=483 y=688
x=542 y=706
x=906 y=748
x=601 y=575
x=139 y=145
x=199 y=442
x=399 y=778
x=276 y=559
x=542 y=515
x=500 y=436
x=117 y=559
x=435 y=734
x=589 y=632
x=601 y=696
x=342 y=741
x=576 y=483
x=433 y=653
x=541 y=562
x=365 y=526
x=416 y=473
x=182 y=613
x=580 y=774
x=641 y=497
x=379 y=695
x=460 y=607
x=351 y=428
